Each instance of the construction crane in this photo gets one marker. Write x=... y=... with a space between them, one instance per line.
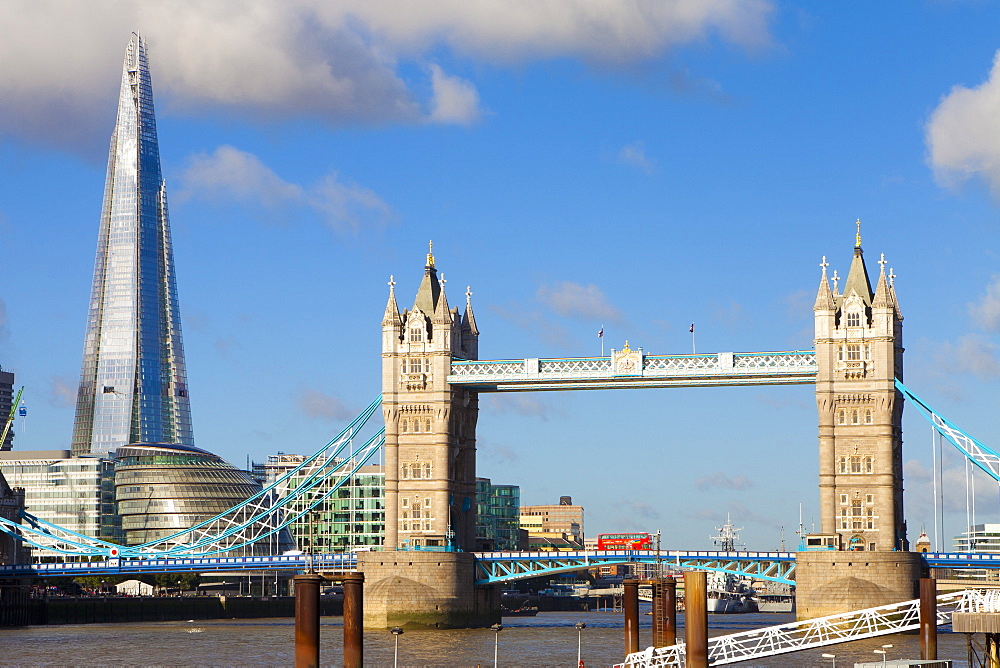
x=10 y=418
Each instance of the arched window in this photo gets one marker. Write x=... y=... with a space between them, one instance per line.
x=841 y=416
x=853 y=319
x=427 y=471
x=854 y=417
x=868 y=416
x=416 y=334
x=405 y=474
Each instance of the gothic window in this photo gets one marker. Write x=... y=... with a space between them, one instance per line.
x=406 y=515
x=416 y=513
x=869 y=468
x=427 y=503
x=854 y=417
x=868 y=416
x=406 y=526
x=870 y=518
x=405 y=474
x=854 y=319
x=406 y=503
x=844 y=521
x=853 y=352
x=843 y=499
x=843 y=464
x=427 y=474
x=427 y=525
x=416 y=334
x=855 y=464
x=868 y=351
x=841 y=416
x=869 y=499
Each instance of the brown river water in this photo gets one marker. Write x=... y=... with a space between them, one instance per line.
x=549 y=639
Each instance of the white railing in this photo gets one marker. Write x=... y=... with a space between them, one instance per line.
x=718 y=368
x=813 y=633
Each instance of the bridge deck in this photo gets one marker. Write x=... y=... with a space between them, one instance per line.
x=580 y=373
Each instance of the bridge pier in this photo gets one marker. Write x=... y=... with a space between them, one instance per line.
x=828 y=583
x=418 y=589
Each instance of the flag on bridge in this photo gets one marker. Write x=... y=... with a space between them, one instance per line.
x=692 y=328
x=600 y=334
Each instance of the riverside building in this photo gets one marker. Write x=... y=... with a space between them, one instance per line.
x=6 y=406
x=76 y=493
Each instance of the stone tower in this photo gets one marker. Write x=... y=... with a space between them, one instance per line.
x=859 y=352
x=430 y=427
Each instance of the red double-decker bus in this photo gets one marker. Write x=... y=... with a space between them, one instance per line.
x=624 y=541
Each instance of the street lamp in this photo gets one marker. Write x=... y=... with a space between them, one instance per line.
x=580 y=626
x=882 y=652
x=496 y=628
x=396 y=631
x=833 y=659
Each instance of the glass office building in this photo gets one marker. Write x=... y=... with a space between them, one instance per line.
x=76 y=493
x=133 y=383
x=351 y=517
x=163 y=488
x=498 y=517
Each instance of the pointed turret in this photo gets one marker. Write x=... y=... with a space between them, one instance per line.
x=442 y=314
x=469 y=319
x=884 y=297
x=391 y=317
x=824 y=296
x=857 y=276
x=427 y=293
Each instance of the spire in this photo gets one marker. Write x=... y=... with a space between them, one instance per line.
x=442 y=314
x=884 y=296
x=391 y=317
x=824 y=297
x=427 y=293
x=469 y=320
x=857 y=275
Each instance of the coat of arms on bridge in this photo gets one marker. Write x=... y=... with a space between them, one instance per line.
x=626 y=362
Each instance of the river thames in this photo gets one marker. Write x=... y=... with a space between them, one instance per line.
x=550 y=639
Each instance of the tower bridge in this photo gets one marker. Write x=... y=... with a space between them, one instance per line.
x=431 y=570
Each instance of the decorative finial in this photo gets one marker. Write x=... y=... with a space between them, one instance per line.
x=824 y=264
x=430 y=253
x=882 y=263
x=443 y=279
x=892 y=277
x=857 y=237
x=836 y=281
x=626 y=348
x=392 y=284
x=468 y=294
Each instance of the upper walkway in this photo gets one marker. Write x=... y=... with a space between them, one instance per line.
x=632 y=368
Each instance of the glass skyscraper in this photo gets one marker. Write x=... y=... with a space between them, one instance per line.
x=133 y=384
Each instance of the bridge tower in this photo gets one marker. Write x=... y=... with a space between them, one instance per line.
x=425 y=574
x=859 y=354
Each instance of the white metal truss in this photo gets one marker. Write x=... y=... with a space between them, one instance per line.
x=257 y=518
x=980 y=455
x=813 y=633
x=772 y=368
x=494 y=567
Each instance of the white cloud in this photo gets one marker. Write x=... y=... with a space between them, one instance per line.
x=963 y=134
x=973 y=354
x=455 y=100
x=986 y=312
x=635 y=154
x=229 y=174
x=723 y=481
x=573 y=300
x=335 y=61
x=317 y=404
x=62 y=392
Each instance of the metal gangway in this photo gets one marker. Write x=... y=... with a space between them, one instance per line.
x=819 y=632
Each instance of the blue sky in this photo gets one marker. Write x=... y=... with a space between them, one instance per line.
x=636 y=165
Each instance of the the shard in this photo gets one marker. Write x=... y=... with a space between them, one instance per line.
x=133 y=384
